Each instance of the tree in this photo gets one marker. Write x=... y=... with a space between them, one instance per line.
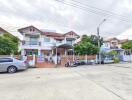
x=94 y=40
x=112 y=53
x=88 y=45
x=8 y=44
x=127 y=45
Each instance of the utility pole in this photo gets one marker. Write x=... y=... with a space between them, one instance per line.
x=98 y=35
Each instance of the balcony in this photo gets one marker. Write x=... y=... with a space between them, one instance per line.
x=70 y=43
x=31 y=43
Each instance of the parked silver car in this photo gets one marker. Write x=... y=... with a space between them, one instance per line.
x=11 y=65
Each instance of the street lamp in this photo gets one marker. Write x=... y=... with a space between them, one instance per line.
x=99 y=56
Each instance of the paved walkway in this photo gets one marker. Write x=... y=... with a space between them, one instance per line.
x=103 y=82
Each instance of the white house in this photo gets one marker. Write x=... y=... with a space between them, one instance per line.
x=40 y=42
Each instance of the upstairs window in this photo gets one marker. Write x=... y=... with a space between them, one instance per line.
x=33 y=41
x=32 y=29
x=69 y=42
x=46 y=39
x=58 y=41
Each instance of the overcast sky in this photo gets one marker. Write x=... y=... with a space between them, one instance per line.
x=53 y=15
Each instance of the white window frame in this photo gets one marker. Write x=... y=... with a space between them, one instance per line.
x=47 y=38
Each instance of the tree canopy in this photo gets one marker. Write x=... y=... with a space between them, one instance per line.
x=87 y=45
x=127 y=45
x=8 y=44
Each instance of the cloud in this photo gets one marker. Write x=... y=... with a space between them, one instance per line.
x=49 y=14
x=126 y=35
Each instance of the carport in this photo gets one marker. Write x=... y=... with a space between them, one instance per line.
x=62 y=50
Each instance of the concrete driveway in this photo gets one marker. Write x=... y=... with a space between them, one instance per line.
x=102 y=82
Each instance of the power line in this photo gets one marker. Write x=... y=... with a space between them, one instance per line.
x=106 y=11
x=89 y=10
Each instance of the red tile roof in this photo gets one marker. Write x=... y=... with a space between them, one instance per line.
x=52 y=34
x=57 y=36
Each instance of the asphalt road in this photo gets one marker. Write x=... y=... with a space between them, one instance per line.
x=102 y=82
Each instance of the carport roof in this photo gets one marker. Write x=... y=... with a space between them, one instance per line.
x=67 y=46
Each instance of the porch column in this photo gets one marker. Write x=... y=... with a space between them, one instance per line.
x=22 y=52
x=130 y=55
x=56 y=56
x=39 y=52
x=73 y=55
x=52 y=51
x=65 y=51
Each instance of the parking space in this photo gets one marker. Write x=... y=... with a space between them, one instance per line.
x=92 y=82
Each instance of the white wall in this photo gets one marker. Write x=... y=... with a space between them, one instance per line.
x=127 y=57
x=44 y=45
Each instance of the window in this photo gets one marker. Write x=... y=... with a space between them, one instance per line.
x=106 y=45
x=70 y=52
x=33 y=41
x=69 y=42
x=58 y=41
x=32 y=29
x=46 y=39
x=31 y=52
x=2 y=60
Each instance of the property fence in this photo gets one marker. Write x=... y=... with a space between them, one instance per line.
x=42 y=62
x=71 y=58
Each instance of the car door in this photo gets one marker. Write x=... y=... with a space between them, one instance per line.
x=5 y=63
x=2 y=65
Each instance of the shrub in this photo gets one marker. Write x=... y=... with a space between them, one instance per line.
x=116 y=60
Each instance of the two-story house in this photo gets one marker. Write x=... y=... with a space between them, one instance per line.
x=40 y=42
x=113 y=43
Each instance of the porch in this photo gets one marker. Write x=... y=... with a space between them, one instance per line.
x=57 y=56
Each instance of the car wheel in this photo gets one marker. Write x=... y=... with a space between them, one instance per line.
x=12 y=69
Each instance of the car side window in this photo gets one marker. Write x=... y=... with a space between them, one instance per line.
x=2 y=60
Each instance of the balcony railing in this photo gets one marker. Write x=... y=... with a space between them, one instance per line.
x=31 y=43
x=37 y=43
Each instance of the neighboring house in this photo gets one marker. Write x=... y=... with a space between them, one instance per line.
x=113 y=43
x=2 y=31
x=40 y=42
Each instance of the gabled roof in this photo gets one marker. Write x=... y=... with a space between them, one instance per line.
x=110 y=39
x=120 y=41
x=51 y=34
x=123 y=41
x=21 y=29
x=71 y=33
x=3 y=30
